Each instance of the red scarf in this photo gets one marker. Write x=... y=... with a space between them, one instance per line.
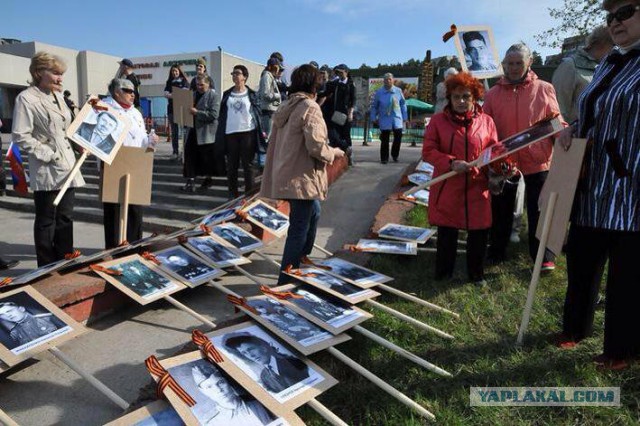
x=124 y=106
x=463 y=119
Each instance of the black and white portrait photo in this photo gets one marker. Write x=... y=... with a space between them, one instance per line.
x=220 y=400
x=139 y=278
x=238 y=237
x=322 y=279
x=476 y=45
x=395 y=231
x=419 y=178
x=267 y=217
x=289 y=322
x=353 y=272
x=421 y=197
x=187 y=266
x=276 y=369
x=333 y=312
x=217 y=217
x=25 y=323
x=391 y=247
x=424 y=167
x=221 y=255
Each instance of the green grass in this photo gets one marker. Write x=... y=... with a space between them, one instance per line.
x=482 y=354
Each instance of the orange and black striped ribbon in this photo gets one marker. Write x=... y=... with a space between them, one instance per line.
x=165 y=380
x=108 y=271
x=297 y=272
x=282 y=295
x=446 y=36
x=354 y=248
x=6 y=281
x=403 y=197
x=206 y=229
x=151 y=257
x=205 y=345
x=95 y=106
x=242 y=214
x=73 y=255
x=241 y=302
x=124 y=243
x=306 y=261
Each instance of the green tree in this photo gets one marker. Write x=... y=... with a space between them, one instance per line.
x=577 y=17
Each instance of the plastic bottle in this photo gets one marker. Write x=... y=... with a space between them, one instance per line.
x=152 y=140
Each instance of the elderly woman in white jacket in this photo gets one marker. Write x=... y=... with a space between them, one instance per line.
x=121 y=99
x=40 y=120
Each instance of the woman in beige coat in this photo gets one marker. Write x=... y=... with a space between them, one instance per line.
x=40 y=120
x=295 y=168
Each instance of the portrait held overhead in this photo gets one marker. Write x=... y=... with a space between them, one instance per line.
x=477 y=46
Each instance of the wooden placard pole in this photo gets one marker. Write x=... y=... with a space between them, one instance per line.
x=125 y=190
x=72 y=174
x=6 y=420
x=385 y=287
x=88 y=377
x=190 y=311
x=326 y=414
x=363 y=371
x=535 y=277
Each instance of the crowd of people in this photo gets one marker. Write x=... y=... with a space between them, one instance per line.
x=293 y=132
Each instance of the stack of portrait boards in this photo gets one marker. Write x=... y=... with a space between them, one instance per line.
x=422 y=174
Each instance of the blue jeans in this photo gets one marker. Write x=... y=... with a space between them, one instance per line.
x=303 y=223
x=266 y=120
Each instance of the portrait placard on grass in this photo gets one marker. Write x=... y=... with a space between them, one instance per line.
x=300 y=333
x=140 y=279
x=330 y=313
x=216 y=250
x=394 y=231
x=478 y=48
x=99 y=129
x=362 y=276
x=268 y=218
x=30 y=323
x=242 y=240
x=186 y=266
x=386 y=246
x=282 y=377
x=223 y=398
x=334 y=285
x=419 y=178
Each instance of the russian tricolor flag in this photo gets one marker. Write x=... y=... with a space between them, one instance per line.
x=18 y=174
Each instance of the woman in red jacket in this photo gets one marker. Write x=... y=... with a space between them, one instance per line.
x=454 y=138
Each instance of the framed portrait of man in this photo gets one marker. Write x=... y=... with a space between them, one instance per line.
x=186 y=266
x=40 y=272
x=218 y=217
x=300 y=333
x=140 y=279
x=333 y=285
x=389 y=247
x=477 y=51
x=419 y=178
x=268 y=218
x=330 y=313
x=360 y=275
x=216 y=250
x=283 y=377
x=99 y=129
x=30 y=323
x=242 y=240
x=395 y=231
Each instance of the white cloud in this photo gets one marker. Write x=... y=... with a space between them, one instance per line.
x=354 y=39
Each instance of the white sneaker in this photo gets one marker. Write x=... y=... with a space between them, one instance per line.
x=515 y=237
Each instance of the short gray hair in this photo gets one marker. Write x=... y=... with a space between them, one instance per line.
x=520 y=49
x=387 y=75
x=118 y=84
x=600 y=36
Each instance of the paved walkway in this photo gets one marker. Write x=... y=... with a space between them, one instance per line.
x=46 y=392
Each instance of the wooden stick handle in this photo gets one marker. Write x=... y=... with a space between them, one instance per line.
x=381 y=384
x=190 y=311
x=6 y=420
x=401 y=351
x=70 y=177
x=415 y=299
x=327 y=414
x=323 y=250
x=124 y=208
x=429 y=183
x=409 y=319
x=535 y=277
x=88 y=377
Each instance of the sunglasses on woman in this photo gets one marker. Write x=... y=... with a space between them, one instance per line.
x=129 y=91
x=622 y=14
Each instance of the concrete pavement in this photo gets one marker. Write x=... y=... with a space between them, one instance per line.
x=46 y=392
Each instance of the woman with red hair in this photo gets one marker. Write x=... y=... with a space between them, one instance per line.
x=454 y=138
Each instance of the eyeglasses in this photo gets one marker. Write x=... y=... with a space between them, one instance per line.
x=129 y=91
x=466 y=97
x=622 y=14
x=236 y=73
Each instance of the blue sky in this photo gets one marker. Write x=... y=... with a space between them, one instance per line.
x=328 y=31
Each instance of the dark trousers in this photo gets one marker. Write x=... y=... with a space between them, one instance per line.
x=111 y=221
x=240 y=147
x=175 y=134
x=303 y=223
x=53 y=226
x=502 y=207
x=533 y=186
x=384 y=144
x=588 y=249
x=447 y=248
